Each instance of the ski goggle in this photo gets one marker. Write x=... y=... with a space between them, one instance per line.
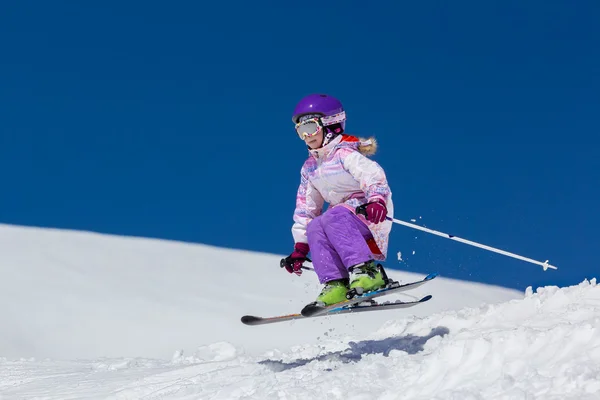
x=313 y=126
x=309 y=127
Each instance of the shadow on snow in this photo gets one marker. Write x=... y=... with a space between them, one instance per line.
x=410 y=343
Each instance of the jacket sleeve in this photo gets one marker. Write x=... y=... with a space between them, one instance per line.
x=369 y=174
x=309 y=205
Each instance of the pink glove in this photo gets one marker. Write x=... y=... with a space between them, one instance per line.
x=376 y=212
x=293 y=263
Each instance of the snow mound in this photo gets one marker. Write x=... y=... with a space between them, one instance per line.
x=545 y=345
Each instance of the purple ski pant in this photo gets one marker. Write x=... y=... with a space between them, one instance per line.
x=338 y=241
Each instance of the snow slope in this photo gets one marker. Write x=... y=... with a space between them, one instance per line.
x=82 y=295
x=112 y=314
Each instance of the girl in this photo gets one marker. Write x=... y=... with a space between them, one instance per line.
x=343 y=245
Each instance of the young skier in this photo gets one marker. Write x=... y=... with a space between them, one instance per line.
x=343 y=244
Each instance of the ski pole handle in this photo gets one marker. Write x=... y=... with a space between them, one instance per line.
x=362 y=209
x=282 y=264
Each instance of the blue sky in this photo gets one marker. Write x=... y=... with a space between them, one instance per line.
x=173 y=121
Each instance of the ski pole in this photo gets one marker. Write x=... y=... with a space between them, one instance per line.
x=362 y=210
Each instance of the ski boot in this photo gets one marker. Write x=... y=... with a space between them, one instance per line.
x=366 y=277
x=333 y=292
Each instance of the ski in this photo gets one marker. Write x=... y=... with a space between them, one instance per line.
x=357 y=307
x=313 y=310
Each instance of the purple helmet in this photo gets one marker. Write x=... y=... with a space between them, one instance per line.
x=318 y=104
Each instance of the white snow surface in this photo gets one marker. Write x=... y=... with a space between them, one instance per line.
x=89 y=316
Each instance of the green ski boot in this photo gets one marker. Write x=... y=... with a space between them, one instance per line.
x=365 y=277
x=333 y=292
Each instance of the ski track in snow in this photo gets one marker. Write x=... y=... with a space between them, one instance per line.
x=542 y=345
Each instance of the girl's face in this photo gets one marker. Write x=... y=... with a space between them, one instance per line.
x=314 y=142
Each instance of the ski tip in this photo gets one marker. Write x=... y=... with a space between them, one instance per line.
x=431 y=276
x=426 y=298
x=311 y=310
x=250 y=319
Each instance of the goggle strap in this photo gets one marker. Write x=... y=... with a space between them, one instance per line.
x=334 y=119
